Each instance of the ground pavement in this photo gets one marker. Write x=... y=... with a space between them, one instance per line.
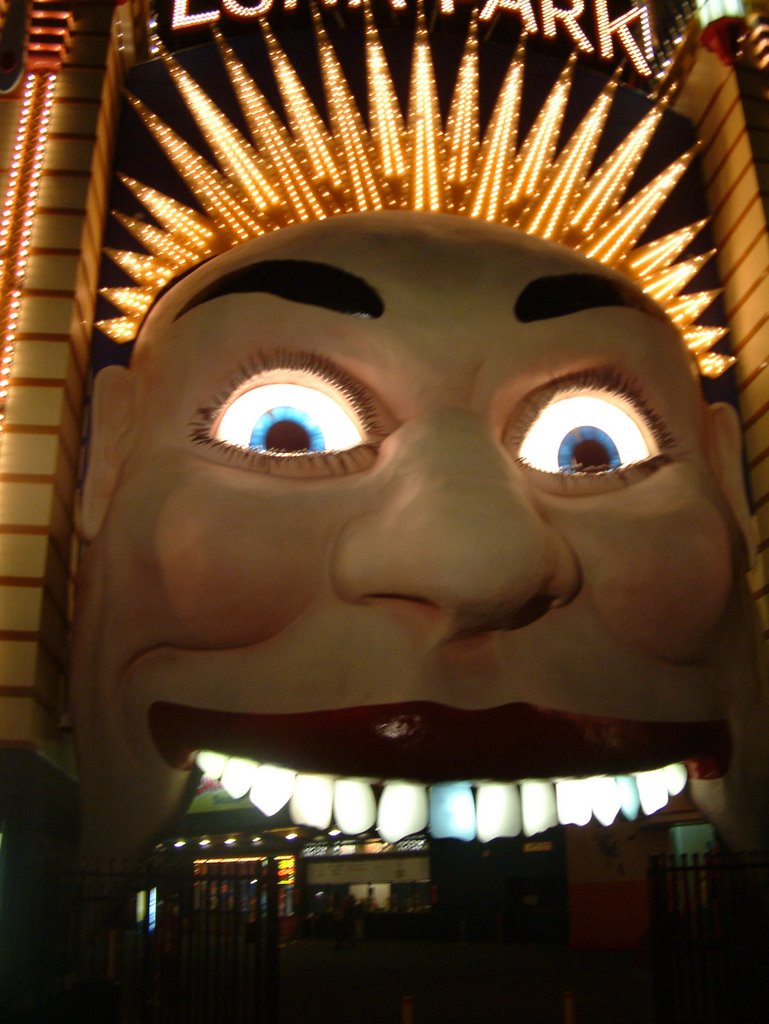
x=455 y=983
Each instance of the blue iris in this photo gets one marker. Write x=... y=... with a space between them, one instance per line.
x=286 y=428
x=587 y=448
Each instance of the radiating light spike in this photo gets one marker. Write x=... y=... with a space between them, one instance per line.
x=179 y=220
x=121 y=329
x=267 y=132
x=424 y=125
x=235 y=156
x=714 y=365
x=158 y=242
x=536 y=154
x=306 y=124
x=549 y=211
x=132 y=301
x=668 y=284
x=699 y=340
x=491 y=179
x=385 y=119
x=607 y=186
x=462 y=126
x=143 y=268
x=688 y=308
x=213 y=191
x=649 y=259
x=347 y=127
x=625 y=227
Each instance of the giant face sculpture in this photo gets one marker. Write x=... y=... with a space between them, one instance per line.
x=410 y=497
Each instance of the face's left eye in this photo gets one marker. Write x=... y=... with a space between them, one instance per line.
x=588 y=433
x=287 y=418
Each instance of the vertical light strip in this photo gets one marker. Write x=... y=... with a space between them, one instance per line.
x=18 y=213
x=462 y=128
x=492 y=171
x=564 y=182
x=425 y=129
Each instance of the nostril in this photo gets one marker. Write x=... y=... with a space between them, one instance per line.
x=410 y=607
x=409 y=598
x=534 y=609
x=501 y=617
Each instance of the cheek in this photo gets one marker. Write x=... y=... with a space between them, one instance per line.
x=661 y=585
x=236 y=569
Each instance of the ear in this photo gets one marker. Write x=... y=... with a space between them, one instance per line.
x=113 y=410
x=725 y=451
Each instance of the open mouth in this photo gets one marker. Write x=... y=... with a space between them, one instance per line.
x=403 y=768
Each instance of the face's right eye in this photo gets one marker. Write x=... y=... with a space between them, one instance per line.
x=289 y=419
x=292 y=414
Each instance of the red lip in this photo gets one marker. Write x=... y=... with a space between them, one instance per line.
x=431 y=742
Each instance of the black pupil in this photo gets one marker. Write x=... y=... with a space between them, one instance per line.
x=287 y=436
x=589 y=455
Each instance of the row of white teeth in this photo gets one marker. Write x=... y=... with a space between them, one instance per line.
x=452 y=810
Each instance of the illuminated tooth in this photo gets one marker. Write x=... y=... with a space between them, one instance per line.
x=652 y=790
x=452 y=811
x=272 y=788
x=629 y=801
x=238 y=776
x=210 y=763
x=605 y=798
x=402 y=810
x=497 y=811
x=573 y=802
x=354 y=806
x=675 y=777
x=538 y=809
x=312 y=801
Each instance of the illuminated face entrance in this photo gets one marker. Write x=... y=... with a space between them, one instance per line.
x=412 y=499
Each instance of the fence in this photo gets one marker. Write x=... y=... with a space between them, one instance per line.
x=196 y=944
x=710 y=934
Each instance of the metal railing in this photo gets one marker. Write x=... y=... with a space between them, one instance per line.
x=710 y=937
x=196 y=944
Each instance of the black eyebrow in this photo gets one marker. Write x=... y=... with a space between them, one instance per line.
x=546 y=298
x=315 y=284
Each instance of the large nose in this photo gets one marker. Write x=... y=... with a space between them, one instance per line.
x=455 y=530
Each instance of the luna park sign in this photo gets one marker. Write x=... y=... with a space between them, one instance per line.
x=625 y=36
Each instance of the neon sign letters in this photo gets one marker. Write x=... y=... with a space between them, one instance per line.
x=625 y=36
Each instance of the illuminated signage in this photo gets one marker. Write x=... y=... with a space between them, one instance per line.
x=626 y=36
x=412 y=844
x=286 y=870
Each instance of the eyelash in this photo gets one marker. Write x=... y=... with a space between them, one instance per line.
x=333 y=463
x=329 y=463
x=611 y=382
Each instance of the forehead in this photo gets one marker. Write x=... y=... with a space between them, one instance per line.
x=408 y=258
x=449 y=288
